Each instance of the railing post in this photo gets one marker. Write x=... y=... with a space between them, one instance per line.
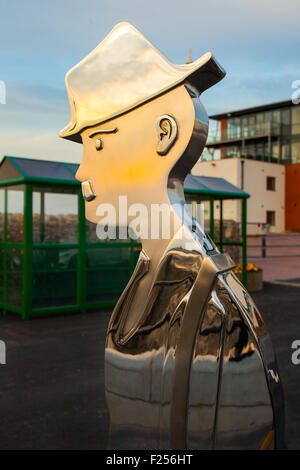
x=263 y=246
x=221 y=225
x=244 y=239
x=212 y=220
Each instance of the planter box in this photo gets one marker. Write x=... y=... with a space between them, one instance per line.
x=254 y=280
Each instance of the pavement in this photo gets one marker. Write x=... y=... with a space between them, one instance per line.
x=52 y=387
x=280 y=308
x=282 y=259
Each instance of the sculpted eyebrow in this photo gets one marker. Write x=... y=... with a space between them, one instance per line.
x=103 y=131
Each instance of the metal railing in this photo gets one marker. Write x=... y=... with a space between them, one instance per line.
x=282 y=249
x=241 y=132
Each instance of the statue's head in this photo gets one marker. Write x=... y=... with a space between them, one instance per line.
x=138 y=117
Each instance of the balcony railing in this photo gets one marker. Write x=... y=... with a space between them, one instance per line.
x=210 y=154
x=234 y=132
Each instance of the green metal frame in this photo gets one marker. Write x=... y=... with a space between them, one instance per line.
x=213 y=196
x=28 y=246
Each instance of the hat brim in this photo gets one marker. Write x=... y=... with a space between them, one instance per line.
x=90 y=75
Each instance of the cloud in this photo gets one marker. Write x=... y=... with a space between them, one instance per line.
x=31 y=120
x=35 y=97
x=47 y=146
x=241 y=91
x=256 y=41
x=72 y=28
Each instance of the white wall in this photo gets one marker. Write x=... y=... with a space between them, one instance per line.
x=221 y=169
x=261 y=199
x=255 y=175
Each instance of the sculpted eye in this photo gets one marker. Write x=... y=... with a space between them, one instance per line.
x=98 y=141
x=99 y=144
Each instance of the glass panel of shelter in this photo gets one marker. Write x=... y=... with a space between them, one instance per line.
x=232 y=228
x=54 y=276
x=54 y=269
x=230 y=225
x=2 y=210
x=15 y=213
x=1 y=275
x=55 y=215
x=14 y=276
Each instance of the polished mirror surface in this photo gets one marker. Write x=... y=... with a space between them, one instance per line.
x=188 y=361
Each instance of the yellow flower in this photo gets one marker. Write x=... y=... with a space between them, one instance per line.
x=249 y=267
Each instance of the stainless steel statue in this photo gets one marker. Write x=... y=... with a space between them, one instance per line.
x=188 y=363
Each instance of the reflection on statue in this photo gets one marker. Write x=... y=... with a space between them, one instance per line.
x=188 y=363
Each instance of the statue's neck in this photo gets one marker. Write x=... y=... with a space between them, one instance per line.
x=161 y=230
x=155 y=247
x=155 y=251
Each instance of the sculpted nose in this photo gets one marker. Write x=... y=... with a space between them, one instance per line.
x=80 y=174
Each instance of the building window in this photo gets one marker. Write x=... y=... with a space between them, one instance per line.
x=286 y=122
x=276 y=116
x=271 y=183
x=270 y=219
x=232 y=152
x=233 y=128
x=285 y=153
x=296 y=120
x=267 y=116
x=296 y=152
x=275 y=152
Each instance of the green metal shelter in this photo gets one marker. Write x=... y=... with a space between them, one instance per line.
x=50 y=257
x=230 y=234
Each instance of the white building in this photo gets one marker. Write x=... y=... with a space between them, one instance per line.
x=264 y=181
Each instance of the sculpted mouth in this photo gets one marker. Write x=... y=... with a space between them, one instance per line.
x=87 y=191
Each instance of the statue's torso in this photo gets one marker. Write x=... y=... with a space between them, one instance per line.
x=219 y=377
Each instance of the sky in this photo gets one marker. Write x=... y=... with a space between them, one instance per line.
x=256 y=41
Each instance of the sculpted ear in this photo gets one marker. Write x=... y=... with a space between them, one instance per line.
x=167 y=133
